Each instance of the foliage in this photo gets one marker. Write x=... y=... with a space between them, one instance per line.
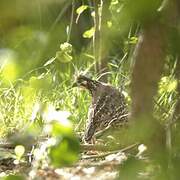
x=39 y=56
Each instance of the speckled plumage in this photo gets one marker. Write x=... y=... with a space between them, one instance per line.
x=108 y=106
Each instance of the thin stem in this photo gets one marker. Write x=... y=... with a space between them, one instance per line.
x=60 y=15
x=71 y=21
x=97 y=34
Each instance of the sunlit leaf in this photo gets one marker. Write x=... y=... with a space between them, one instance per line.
x=81 y=9
x=89 y=33
x=19 y=151
x=133 y=40
x=10 y=72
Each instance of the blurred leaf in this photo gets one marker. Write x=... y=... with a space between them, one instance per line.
x=63 y=57
x=89 y=33
x=14 y=177
x=64 y=128
x=19 y=151
x=66 y=149
x=10 y=72
x=65 y=152
x=109 y=24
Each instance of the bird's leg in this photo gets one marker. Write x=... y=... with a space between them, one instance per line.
x=93 y=140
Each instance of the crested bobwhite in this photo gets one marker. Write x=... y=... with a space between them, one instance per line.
x=108 y=107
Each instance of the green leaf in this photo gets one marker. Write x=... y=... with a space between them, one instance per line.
x=81 y=9
x=62 y=128
x=64 y=152
x=89 y=33
x=133 y=40
x=63 y=57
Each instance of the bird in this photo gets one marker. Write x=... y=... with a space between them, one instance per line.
x=108 y=106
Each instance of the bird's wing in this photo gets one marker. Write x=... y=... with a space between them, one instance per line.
x=102 y=111
x=109 y=109
x=94 y=117
x=90 y=129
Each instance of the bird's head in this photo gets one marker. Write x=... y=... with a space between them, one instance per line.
x=85 y=82
x=81 y=80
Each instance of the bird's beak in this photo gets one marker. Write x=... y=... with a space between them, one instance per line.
x=74 y=84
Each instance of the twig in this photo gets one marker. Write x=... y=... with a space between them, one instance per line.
x=112 y=152
x=92 y=147
x=98 y=164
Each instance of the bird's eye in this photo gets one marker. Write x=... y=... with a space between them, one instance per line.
x=84 y=83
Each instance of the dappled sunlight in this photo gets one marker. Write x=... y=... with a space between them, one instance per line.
x=9 y=68
x=125 y=54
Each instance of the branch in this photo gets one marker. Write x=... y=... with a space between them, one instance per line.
x=112 y=152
